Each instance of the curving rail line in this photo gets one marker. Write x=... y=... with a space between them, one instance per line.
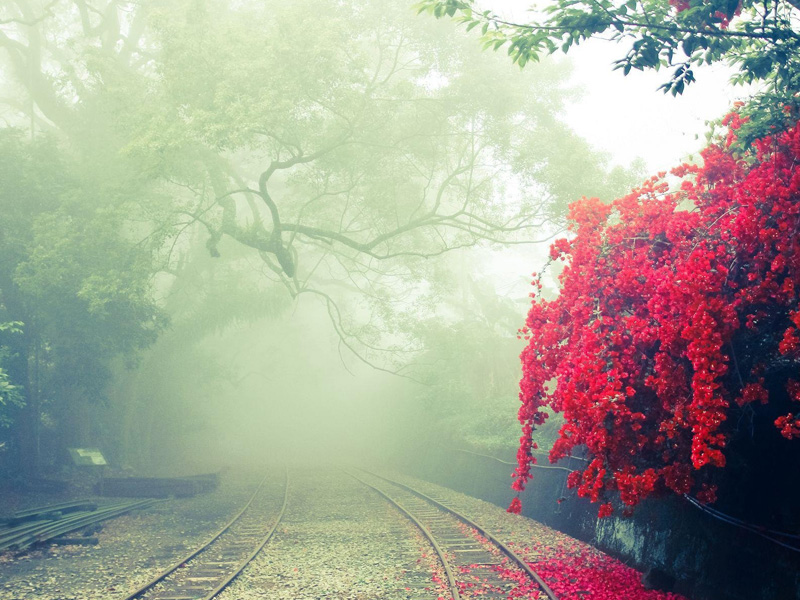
x=209 y=569
x=451 y=580
x=452 y=543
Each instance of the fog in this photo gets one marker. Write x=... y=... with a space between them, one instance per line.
x=234 y=231
x=251 y=248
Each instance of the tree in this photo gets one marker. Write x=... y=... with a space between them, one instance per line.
x=759 y=39
x=673 y=347
x=75 y=288
x=10 y=397
x=469 y=367
x=344 y=153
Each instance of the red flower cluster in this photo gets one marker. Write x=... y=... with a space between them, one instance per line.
x=788 y=424
x=673 y=305
x=720 y=17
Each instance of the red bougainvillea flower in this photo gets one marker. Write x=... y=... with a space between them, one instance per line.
x=675 y=301
x=515 y=507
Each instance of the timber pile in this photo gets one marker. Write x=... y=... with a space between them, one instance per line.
x=158 y=487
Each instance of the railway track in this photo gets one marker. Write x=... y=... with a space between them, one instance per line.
x=475 y=561
x=209 y=569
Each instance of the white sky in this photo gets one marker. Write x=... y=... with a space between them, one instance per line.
x=626 y=116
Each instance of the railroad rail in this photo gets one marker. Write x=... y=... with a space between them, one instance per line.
x=45 y=524
x=50 y=511
x=457 y=549
x=210 y=568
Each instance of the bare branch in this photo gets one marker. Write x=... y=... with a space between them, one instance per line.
x=336 y=320
x=30 y=21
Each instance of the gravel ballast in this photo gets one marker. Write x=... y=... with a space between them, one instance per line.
x=574 y=570
x=338 y=540
x=131 y=549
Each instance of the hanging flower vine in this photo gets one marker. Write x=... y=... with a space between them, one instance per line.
x=678 y=306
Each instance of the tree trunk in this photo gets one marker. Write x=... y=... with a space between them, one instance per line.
x=29 y=421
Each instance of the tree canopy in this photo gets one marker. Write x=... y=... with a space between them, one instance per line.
x=759 y=39
x=335 y=158
x=74 y=290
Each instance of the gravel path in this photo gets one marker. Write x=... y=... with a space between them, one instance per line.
x=131 y=549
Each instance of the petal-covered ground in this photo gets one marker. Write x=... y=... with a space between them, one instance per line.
x=573 y=569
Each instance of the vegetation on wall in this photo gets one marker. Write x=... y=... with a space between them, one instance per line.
x=675 y=336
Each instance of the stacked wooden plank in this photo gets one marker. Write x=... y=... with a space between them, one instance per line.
x=157 y=487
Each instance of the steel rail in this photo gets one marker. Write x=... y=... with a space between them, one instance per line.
x=207 y=544
x=467 y=521
x=79 y=522
x=23 y=536
x=451 y=580
x=226 y=582
x=50 y=511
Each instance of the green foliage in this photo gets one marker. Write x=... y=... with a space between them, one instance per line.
x=469 y=368
x=10 y=396
x=69 y=271
x=760 y=39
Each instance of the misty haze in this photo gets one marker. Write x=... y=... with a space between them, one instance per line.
x=362 y=299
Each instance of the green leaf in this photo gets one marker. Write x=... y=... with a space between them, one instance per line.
x=649 y=56
x=690 y=44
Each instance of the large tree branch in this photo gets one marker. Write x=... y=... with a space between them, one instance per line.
x=670 y=29
x=278 y=165
x=27 y=61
